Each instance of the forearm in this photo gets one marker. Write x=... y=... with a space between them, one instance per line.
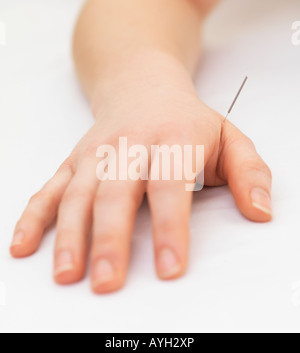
x=110 y=34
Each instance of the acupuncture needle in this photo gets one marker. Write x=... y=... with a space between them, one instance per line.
x=236 y=97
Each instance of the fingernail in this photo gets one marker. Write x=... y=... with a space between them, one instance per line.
x=64 y=262
x=168 y=264
x=261 y=200
x=18 y=239
x=103 y=272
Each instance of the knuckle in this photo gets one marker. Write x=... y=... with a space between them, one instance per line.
x=20 y=224
x=41 y=197
x=167 y=226
x=113 y=236
x=34 y=198
x=72 y=194
x=67 y=165
x=109 y=243
x=258 y=166
x=42 y=201
x=267 y=170
x=235 y=141
x=127 y=199
x=104 y=194
x=91 y=150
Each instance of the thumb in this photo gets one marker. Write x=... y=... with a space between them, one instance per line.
x=248 y=176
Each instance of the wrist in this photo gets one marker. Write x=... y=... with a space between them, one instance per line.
x=146 y=71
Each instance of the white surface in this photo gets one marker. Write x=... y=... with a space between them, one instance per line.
x=243 y=276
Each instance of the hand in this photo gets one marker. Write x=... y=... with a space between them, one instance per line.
x=162 y=108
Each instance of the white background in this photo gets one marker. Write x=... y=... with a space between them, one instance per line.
x=243 y=276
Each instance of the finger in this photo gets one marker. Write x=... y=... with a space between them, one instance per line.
x=115 y=209
x=170 y=202
x=40 y=213
x=170 y=205
x=74 y=225
x=248 y=176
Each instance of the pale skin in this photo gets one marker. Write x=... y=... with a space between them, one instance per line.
x=135 y=60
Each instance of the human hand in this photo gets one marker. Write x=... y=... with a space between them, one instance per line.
x=162 y=108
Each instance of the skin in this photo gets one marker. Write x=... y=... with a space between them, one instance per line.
x=135 y=60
